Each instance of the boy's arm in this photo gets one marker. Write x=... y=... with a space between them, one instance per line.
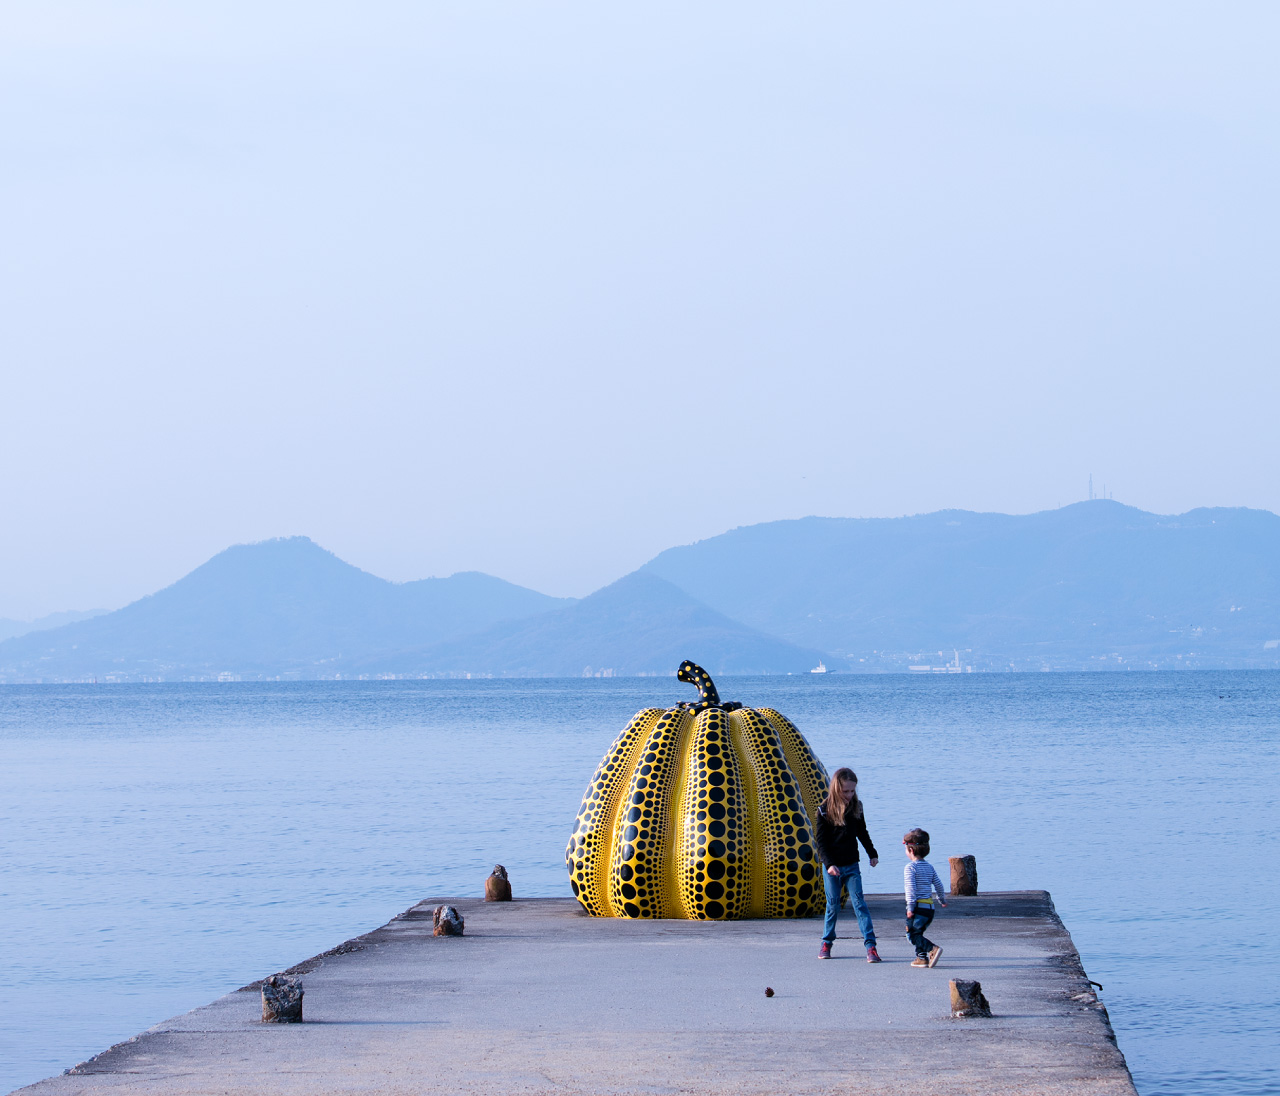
x=937 y=885
x=911 y=901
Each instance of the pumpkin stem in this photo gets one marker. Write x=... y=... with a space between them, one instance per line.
x=693 y=674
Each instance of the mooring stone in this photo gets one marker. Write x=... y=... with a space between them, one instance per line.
x=967 y=999
x=281 y=1000
x=447 y=921
x=964 y=875
x=497 y=888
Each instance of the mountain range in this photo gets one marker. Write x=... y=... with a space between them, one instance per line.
x=1092 y=585
x=1082 y=585
x=282 y=607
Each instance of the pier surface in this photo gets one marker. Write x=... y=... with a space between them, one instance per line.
x=539 y=998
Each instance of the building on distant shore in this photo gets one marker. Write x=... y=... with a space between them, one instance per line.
x=955 y=666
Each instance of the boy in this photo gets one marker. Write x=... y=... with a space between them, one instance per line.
x=921 y=882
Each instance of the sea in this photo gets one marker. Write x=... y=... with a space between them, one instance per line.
x=163 y=844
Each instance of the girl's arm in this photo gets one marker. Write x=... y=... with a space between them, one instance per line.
x=822 y=837
x=865 y=838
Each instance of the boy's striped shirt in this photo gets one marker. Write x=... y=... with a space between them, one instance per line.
x=921 y=880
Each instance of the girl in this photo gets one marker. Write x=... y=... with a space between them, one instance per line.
x=839 y=828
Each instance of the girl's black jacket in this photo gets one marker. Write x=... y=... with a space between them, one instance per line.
x=838 y=845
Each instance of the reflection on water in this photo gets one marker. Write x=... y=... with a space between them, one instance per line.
x=163 y=844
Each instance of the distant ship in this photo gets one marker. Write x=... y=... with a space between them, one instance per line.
x=818 y=669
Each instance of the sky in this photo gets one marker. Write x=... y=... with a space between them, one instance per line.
x=541 y=289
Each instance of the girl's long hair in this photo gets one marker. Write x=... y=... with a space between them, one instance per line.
x=835 y=806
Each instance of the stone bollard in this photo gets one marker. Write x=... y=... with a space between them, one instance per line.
x=964 y=875
x=447 y=921
x=967 y=999
x=281 y=1000
x=497 y=888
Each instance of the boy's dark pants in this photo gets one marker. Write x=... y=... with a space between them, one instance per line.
x=916 y=924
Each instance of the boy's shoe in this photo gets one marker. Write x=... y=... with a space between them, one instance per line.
x=934 y=956
x=873 y=956
x=919 y=961
x=824 y=952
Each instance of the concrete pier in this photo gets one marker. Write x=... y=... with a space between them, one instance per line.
x=539 y=998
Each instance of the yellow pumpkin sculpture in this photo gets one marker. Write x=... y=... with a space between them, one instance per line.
x=701 y=811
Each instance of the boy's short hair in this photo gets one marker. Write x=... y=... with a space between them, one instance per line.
x=918 y=841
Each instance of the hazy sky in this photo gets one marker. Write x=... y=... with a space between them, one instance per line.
x=541 y=289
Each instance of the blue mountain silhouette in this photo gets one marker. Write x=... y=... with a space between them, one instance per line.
x=1091 y=585
x=281 y=607
x=1068 y=588
x=640 y=624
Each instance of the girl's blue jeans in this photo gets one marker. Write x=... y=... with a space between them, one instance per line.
x=832 y=883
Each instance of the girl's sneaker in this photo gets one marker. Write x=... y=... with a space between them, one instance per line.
x=919 y=961
x=933 y=956
x=873 y=956
x=824 y=952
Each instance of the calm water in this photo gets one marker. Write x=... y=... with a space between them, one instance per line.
x=163 y=844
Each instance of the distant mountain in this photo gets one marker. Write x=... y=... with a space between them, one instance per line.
x=638 y=625
x=10 y=628
x=1092 y=584
x=282 y=607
